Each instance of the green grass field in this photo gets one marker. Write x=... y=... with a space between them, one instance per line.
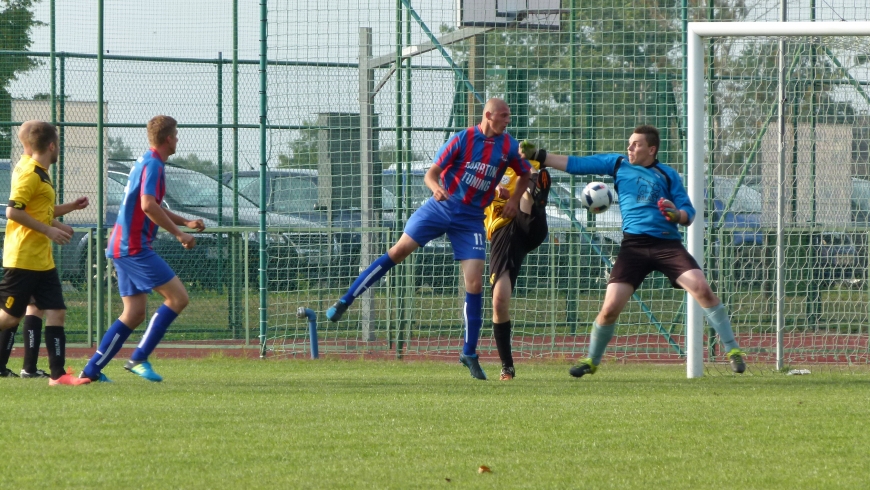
x=234 y=423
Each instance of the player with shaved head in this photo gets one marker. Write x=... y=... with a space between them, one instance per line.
x=463 y=180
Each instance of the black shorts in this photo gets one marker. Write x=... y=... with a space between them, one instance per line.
x=641 y=254
x=21 y=287
x=512 y=242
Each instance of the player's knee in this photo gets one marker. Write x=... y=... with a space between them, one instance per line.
x=55 y=317
x=7 y=322
x=132 y=319
x=704 y=294
x=608 y=315
x=501 y=305
x=474 y=286
x=179 y=302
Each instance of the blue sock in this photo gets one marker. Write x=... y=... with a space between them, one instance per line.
x=111 y=343
x=370 y=276
x=601 y=335
x=156 y=328
x=717 y=317
x=472 y=312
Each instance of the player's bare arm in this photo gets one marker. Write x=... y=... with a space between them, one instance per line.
x=159 y=216
x=57 y=224
x=193 y=224
x=432 y=179
x=512 y=206
x=68 y=207
x=21 y=217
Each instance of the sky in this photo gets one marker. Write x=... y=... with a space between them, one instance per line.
x=299 y=30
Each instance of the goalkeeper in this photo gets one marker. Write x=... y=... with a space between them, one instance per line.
x=512 y=239
x=652 y=201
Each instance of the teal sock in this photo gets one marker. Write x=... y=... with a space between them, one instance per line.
x=601 y=335
x=717 y=317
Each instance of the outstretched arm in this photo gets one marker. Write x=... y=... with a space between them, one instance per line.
x=602 y=164
x=67 y=207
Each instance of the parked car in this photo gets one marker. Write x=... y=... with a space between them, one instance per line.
x=293 y=192
x=299 y=253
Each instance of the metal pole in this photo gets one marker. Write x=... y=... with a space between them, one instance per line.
x=367 y=214
x=61 y=131
x=263 y=279
x=52 y=61
x=236 y=283
x=89 y=278
x=695 y=180
x=220 y=172
x=684 y=17
x=101 y=232
x=399 y=276
x=780 y=197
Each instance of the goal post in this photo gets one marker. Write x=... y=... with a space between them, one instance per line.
x=697 y=153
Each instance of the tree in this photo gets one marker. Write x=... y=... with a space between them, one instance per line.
x=628 y=62
x=118 y=150
x=193 y=162
x=303 y=150
x=16 y=24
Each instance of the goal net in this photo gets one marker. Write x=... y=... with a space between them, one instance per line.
x=778 y=136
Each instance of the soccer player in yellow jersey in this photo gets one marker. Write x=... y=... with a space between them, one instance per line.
x=33 y=318
x=512 y=239
x=30 y=272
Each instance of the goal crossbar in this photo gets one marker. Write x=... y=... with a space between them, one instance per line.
x=695 y=136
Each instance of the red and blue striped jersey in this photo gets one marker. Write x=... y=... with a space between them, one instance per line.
x=134 y=231
x=472 y=165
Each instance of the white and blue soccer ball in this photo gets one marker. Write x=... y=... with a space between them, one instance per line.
x=596 y=197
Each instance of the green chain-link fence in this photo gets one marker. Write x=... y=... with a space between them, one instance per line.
x=578 y=76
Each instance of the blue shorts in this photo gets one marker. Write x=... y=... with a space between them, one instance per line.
x=138 y=274
x=463 y=225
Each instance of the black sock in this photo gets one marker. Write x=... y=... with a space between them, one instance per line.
x=55 y=342
x=7 y=340
x=502 y=334
x=32 y=339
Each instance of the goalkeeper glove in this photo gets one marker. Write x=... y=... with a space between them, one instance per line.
x=528 y=150
x=669 y=211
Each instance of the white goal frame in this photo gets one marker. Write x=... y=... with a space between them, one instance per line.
x=696 y=150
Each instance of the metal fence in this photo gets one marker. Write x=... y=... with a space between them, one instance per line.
x=294 y=105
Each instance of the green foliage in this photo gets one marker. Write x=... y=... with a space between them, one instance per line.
x=303 y=150
x=16 y=24
x=193 y=162
x=118 y=150
x=246 y=423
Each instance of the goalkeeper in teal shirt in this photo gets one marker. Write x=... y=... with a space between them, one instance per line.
x=653 y=202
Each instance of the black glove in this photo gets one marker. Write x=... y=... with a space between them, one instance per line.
x=530 y=152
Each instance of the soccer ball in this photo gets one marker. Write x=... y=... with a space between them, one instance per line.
x=596 y=197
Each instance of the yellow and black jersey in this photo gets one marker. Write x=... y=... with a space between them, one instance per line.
x=493 y=220
x=31 y=191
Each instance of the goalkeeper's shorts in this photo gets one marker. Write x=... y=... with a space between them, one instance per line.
x=513 y=241
x=639 y=255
